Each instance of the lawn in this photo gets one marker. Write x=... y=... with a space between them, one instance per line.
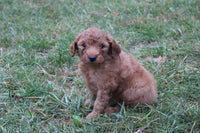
x=42 y=91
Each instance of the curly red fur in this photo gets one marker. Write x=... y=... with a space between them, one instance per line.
x=112 y=76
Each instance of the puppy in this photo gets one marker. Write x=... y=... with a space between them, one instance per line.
x=112 y=76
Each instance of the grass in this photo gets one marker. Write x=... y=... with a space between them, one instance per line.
x=41 y=91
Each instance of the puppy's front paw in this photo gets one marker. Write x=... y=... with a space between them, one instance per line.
x=92 y=115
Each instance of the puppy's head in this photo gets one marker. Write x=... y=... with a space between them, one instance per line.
x=95 y=46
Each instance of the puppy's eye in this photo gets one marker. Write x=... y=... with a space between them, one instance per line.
x=102 y=46
x=83 y=45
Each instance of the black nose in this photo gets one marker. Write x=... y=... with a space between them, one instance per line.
x=92 y=58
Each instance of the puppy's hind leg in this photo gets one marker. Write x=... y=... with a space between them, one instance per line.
x=110 y=110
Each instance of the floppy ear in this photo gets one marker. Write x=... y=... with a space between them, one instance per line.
x=74 y=47
x=114 y=48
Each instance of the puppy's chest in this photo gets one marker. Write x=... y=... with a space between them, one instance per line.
x=96 y=76
x=100 y=77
